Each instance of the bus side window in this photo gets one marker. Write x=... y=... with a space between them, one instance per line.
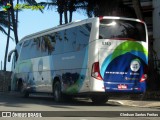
x=25 y=50
x=47 y=44
x=35 y=48
x=16 y=55
x=14 y=61
x=83 y=35
x=70 y=40
x=17 y=51
x=15 y=58
x=59 y=42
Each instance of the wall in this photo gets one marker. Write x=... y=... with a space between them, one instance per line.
x=156 y=26
x=5 y=81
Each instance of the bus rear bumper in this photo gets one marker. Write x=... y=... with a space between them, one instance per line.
x=125 y=87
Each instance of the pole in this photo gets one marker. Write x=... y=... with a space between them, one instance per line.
x=1 y=65
x=138 y=9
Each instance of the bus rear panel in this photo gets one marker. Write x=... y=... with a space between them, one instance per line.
x=122 y=55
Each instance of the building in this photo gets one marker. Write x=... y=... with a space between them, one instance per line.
x=146 y=7
x=156 y=28
x=151 y=14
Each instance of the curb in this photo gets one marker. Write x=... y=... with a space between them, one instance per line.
x=147 y=104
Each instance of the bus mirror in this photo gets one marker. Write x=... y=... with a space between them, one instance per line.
x=10 y=54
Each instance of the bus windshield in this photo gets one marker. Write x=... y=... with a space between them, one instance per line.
x=122 y=30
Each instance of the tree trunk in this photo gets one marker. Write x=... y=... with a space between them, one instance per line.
x=65 y=12
x=60 y=17
x=71 y=9
x=17 y=14
x=14 y=22
x=7 y=44
x=60 y=10
x=65 y=15
x=70 y=16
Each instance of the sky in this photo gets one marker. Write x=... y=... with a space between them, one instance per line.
x=32 y=21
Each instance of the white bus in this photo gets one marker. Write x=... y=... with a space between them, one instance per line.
x=92 y=57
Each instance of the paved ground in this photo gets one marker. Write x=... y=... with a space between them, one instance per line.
x=123 y=102
x=78 y=109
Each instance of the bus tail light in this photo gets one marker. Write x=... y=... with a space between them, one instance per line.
x=95 y=71
x=143 y=78
x=101 y=18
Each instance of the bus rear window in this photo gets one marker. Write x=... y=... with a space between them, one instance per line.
x=122 y=30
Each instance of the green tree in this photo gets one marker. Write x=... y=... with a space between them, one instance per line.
x=14 y=16
x=5 y=23
x=7 y=43
x=63 y=7
x=9 y=19
x=108 y=8
x=71 y=8
x=13 y=21
x=59 y=4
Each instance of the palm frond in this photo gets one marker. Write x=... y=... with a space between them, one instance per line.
x=31 y=2
x=48 y=5
x=4 y=23
x=3 y=19
x=3 y=30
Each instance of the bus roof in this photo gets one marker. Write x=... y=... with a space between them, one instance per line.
x=59 y=27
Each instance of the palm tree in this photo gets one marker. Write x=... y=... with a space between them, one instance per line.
x=10 y=14
x=53 y=4
x=71 y=8
x=15 y=17
x=63 y=7
x=7 y=44
x=5 y=23
x=60 y=8
x=14 y=24
x=108 y=8
x=50 y=4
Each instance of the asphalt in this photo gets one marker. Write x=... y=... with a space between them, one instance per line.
x=126 y=101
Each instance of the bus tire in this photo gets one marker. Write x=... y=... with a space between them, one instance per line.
x=57 y=92
x=23 y=92
x=99 y=99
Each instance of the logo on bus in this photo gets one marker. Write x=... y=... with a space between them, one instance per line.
x=135 y=65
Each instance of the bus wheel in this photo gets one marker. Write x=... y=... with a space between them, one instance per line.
x=99 y=99
x=25 y=94
x=22 y=90
x=57 y=91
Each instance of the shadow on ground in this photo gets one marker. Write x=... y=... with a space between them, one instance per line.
x=15 y=100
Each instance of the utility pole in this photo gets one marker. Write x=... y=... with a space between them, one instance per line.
x=138 y=9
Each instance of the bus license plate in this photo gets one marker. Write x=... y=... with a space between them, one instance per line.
x=122 y=86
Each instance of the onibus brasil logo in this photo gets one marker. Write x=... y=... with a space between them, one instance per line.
x=6 y=6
